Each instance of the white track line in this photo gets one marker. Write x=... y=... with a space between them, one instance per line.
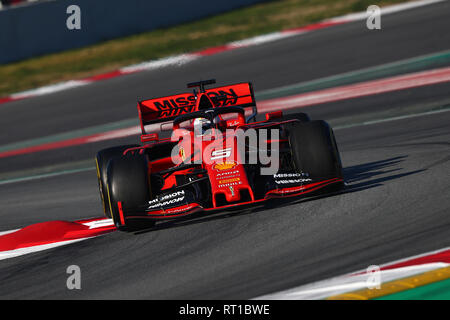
x=334 y=286
x=50 y=89
x=385 y=10
x=93 y=224
x=22 y=251
x=177 y=60
x=2 y=233
x=355 y=280
x=160 y=63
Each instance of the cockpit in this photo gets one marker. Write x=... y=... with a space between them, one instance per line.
x=205 y=121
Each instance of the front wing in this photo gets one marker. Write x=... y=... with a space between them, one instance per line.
x=182 y=203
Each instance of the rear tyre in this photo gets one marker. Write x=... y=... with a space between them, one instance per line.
x=101 y=160
x=314 y=150
x=302 y=117
x=129 y=182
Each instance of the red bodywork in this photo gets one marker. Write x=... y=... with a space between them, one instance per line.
x=225 y=172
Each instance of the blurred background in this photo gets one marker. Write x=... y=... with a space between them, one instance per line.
x=45 y=42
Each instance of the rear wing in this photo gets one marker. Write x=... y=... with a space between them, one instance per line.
x=165 y=109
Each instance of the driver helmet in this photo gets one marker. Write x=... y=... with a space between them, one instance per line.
x=201 y=125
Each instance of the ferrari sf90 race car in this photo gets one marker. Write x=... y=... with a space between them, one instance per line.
x=215 y=156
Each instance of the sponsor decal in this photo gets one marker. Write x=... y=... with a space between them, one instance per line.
x=227 y=165
x=223 y=158
x=230 y=184
x=290 y=178
x=229 y=180
x=231 y=97
x=232 y=123
x=290 y=175
x=290 y=190
x=231 y=190
x=288 y=181
x=177 y=210
x=185 y=103
x=227 y=173
x=166 y=200
x=165 y=110
x=220 y=154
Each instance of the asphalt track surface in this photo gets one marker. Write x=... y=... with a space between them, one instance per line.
x=396 y=203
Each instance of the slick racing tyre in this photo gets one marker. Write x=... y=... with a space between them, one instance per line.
x=302 y=117
x=129 y=183
x=314 y=150
x=101 y=160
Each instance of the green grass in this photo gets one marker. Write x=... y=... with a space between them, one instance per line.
x=217 y=30
x=439 y=290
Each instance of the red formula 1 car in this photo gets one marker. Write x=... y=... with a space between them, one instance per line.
x=218 y=156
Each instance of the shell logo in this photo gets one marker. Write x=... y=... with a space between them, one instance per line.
x=227 y=165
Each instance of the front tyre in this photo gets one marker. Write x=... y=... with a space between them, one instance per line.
x=314 y=150
x=300 y=116
x=101 y=161
x=129 y=183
